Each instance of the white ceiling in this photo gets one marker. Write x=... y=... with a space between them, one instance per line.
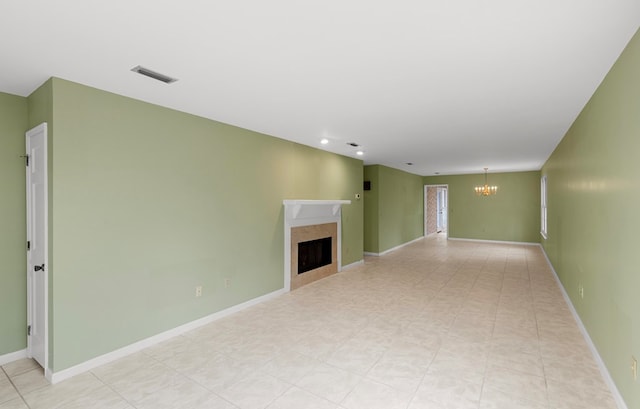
x=449 y=85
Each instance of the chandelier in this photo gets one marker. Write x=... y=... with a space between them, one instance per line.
x=486 y=190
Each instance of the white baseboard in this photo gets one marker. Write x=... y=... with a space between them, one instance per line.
x=603 y=368
x=367 y=253
x=13 y=356
x=348 y=266
x=522 y=243
x=55 y=377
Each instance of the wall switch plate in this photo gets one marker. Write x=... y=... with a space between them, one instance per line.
x=634 y=368
x=227 y=282
x=199 y=291
x=581 y=290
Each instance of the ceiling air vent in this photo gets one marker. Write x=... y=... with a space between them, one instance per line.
x=153 y=74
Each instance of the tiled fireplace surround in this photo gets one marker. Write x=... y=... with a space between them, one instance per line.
x=307 y=220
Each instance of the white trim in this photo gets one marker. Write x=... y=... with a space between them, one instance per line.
x=601 y=365
x=357 y=263
x=55 y=377
x=13 y=356
x=367 y=253
x=523 y=243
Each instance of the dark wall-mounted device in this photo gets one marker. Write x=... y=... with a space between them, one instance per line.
x=367 y=185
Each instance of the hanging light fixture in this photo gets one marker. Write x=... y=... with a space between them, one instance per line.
x=486 y=190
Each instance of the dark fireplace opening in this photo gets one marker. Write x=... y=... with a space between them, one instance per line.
x=314 y=254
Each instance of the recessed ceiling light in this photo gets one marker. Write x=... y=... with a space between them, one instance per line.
x=360 y=153
x=324 y=141
x=154 y=74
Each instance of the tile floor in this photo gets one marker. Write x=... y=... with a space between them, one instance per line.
x=436 y=324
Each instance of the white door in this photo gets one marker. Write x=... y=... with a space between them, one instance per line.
x=37 y=204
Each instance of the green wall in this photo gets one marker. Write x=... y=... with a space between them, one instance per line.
x=319 y=175
x=394 y=212
x=13 y=279
x=147 y=203
x=513 y=214
x=371 y=212
x=593 y=181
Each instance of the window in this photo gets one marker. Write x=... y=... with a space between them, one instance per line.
x=543 y=207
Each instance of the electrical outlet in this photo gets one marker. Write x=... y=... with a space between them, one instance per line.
x=199 y=291
x=227 y=282
x=634 y=368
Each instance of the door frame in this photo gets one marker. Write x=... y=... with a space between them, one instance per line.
x=45 y=240
x=426 y=207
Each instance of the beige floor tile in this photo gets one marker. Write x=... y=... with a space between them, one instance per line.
x=403 y=374
x=17 y=403
x=191 y=360
x=520 y=385
x=183 y=393
x=116 y=370
x=54 y=396
x=563 y=395
x=20 y=366
x=296 y=398
x=291 y=366
x=329 y=382
x=317 y=345
x=220 y=373
x=148 y=380
x=30 y=381
x=103 y=398
x=517 y=361
x=7 y=391
x=440 y=391
x=465 y=365
x=373 y=395
x=169 y=348
x=494 y=399
x=581 y=372
x=356 y=357
x=255 y=391
x=210 y=402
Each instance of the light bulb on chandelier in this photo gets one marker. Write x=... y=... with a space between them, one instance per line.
x=486 y=190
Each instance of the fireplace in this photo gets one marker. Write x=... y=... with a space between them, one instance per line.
x=304 y=235
x=312 y=240
x=314 y=254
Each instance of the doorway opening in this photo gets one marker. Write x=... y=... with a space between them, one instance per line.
x=436 y=209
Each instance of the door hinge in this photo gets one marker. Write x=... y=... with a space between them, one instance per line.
x=28 y=245
x=28 y=330
x=26 y=159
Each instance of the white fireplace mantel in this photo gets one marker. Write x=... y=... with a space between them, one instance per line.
x=307 y=213
x=303 y=209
